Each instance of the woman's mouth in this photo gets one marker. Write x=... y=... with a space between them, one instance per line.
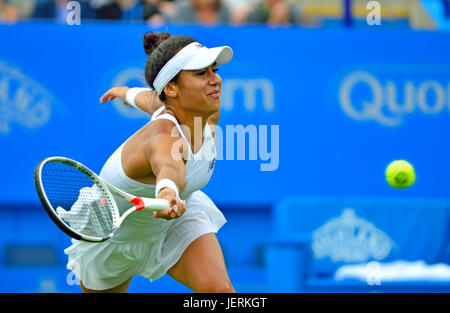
x=214 y=94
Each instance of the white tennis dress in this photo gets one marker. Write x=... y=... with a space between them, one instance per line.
x=145 y=245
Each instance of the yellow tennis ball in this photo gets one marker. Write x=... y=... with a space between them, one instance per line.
x=400 y=174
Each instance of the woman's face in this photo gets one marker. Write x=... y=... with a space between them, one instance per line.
x=200 y=90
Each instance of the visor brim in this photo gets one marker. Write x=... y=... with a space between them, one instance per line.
x=207 y=56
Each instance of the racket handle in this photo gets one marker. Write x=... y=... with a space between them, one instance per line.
x=150 y=204
x=156 y=204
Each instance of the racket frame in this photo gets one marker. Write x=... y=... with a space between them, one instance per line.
x=106 y=188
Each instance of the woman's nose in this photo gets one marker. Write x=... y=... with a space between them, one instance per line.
x=215 y=79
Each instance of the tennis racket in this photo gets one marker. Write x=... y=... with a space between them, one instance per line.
x=81 y=203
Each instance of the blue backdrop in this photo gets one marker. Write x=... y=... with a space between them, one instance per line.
x=324 y=112
x=335 y=106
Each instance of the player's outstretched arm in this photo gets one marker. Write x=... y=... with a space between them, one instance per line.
x=147 y=101
x=166 y=161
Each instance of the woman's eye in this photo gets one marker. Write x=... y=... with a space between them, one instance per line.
x=204 y=72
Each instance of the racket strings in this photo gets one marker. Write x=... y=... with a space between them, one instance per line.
x=77 y=200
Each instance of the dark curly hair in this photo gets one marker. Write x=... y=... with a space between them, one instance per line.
x=160 y=48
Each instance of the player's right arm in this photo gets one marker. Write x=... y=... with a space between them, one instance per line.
x=147 y=101
x=165 y=158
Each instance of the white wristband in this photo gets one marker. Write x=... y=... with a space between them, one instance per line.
x=132 y=94
x=166 y=183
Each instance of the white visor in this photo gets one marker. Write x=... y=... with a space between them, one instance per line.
x=205 y=57
x=192 y=57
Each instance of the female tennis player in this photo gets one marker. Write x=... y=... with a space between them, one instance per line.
x=180 y=240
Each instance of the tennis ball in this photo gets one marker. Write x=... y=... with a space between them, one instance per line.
x=400 y=174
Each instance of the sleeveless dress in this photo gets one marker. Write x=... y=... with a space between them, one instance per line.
x=144 y=245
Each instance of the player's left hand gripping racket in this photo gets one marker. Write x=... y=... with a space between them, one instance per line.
x=81 y=203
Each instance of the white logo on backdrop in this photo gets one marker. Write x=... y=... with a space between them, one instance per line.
x=231 y=88
x=123 y=79
x=250 y=88
x=430 y=97
x=22 y=100
x=349 y=238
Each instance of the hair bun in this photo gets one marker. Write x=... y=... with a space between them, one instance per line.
x=152 y=40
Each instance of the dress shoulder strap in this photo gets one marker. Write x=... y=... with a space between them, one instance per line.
x=158 y=112
x=157 y=116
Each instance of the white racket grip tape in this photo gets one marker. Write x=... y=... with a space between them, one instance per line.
x=151 y=204
x=156 y=204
